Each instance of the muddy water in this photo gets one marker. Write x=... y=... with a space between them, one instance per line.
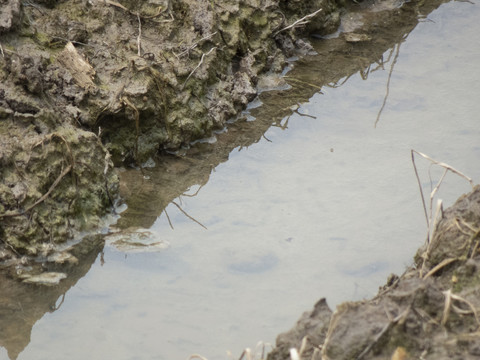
x=324 y=203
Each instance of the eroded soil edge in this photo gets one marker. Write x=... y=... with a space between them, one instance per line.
x=86 y=85
x=430 y=312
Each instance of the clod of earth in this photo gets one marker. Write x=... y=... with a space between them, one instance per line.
x=414 y=315
x=85 y=85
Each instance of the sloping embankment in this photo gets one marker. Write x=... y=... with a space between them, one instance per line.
x=430 y=312
x=88 y=84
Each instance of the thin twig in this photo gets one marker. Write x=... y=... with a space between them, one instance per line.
x=420 y=188
x=168 y=218
x=1 y=50
x=388 y=85
x=196 y=67
x=120 y=6
x=194 y=45
x=54 y=185
x=299 y=22
x=191 y=218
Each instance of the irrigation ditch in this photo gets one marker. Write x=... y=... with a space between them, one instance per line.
x=90 y=86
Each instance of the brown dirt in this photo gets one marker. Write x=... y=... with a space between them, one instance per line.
x=430 y=312
x=85 y=83
x=154 y=76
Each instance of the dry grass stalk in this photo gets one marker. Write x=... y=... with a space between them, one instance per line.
x=139 y=37
x=430 y=218
x=435 y=190
x=199 y=64
x=44 y=196
x=194 y=45
x=449 y=297
x=190 y=217
x=196 y=356
x=121 y=7
x=303 y=21
x=247 y=354
x=387 y=92
x=444 y=263
x=294 y=354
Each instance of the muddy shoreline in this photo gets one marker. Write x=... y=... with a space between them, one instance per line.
x=62 y=134
x=429 y=312
x=86 y=86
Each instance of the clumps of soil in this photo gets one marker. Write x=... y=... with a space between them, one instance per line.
x=53 y=183
x=83 y=82
x=430 y=312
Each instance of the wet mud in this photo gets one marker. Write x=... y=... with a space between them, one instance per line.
x=61 y=133
x=88 y=84
x=429 y=312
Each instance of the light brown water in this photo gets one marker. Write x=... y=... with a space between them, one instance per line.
x=323 y=204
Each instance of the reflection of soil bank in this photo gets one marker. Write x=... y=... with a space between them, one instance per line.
x=386 y=24
x=22 y=304
x=84 y=82
x=430 y=312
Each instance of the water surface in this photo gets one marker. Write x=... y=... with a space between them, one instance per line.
x=323 y=204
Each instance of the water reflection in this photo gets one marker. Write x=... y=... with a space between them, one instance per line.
x=22 y=305
x=290 y=212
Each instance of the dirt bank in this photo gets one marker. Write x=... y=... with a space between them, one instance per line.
x=430 y=312
x=88 y=84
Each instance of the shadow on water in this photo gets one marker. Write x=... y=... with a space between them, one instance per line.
x=22 y=305
x=386 y=26
x=148 y=193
